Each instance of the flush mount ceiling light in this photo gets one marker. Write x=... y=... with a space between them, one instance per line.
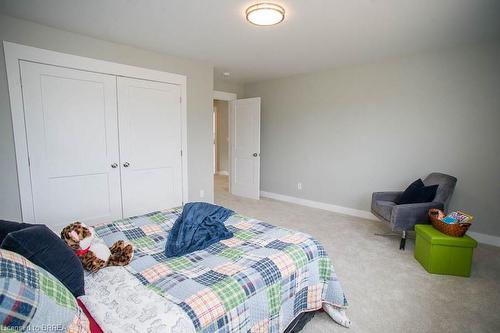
x=265 y=14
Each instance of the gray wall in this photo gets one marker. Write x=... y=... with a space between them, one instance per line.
x=199 y=101
x=222 y=135
x=229 y=86
x=348 y=132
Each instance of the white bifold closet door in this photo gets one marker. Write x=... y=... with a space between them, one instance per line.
x=72 y=137
x=150 y=145
x=100 y=147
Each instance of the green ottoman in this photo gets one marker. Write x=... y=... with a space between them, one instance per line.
x=443 y=254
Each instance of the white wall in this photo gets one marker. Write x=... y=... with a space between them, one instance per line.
x=348 y=132
x=199 y=101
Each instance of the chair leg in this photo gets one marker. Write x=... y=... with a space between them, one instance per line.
x=404 y=236
x=388 y=234
x=403 y=241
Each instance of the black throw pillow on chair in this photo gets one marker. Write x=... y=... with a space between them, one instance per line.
x=417 y=192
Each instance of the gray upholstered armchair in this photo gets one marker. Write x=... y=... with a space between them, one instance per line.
x=402 y=218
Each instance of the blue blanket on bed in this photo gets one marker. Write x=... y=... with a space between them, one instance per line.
x=200 y=225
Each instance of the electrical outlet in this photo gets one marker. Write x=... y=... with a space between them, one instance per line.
x=299 y=186
x=202 y=193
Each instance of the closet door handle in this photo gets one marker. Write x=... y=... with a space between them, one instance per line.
x=114 y=165
x=126 y=164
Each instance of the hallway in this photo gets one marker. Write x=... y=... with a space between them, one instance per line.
x=221 y=183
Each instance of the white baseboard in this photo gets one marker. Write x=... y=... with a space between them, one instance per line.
x=484 y=238
x=320 y=205
x=223 y=173
x=481 y=238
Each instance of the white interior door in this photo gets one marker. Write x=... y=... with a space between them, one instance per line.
x=72 y=136
x=245 y=147
x=150 y=145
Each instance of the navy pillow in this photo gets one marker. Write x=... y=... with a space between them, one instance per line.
x=428 y=193
x=417 y=192
x=44 y=248
x=7 y=226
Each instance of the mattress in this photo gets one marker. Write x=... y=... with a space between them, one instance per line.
x=258 y=281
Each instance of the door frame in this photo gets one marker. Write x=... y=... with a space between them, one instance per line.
x=14 y=53
x=224 y=96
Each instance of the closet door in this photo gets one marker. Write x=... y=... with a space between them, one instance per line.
x=150 y=145
x=72 y=135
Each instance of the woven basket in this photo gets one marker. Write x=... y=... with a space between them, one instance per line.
x=455 y=230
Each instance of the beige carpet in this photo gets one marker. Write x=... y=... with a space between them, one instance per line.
x=387 y=289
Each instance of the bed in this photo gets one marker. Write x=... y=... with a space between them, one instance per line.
x=261 y=280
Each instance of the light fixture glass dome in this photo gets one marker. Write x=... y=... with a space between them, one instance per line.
x=265 y=14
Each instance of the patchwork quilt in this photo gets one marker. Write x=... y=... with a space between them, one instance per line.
x=257 y=281
x=32 y=299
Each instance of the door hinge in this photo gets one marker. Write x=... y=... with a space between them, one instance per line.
x=181 y=152
x=180 y=99
x=29 y=162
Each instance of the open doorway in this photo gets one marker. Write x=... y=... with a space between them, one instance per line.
x=221 y=145
x=221 y=141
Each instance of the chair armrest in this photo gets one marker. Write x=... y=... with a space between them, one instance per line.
x=404 y=217
x=386 y=196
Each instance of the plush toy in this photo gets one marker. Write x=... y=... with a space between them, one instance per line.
x=92 y=251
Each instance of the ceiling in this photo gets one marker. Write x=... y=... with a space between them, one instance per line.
x=315 y=35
